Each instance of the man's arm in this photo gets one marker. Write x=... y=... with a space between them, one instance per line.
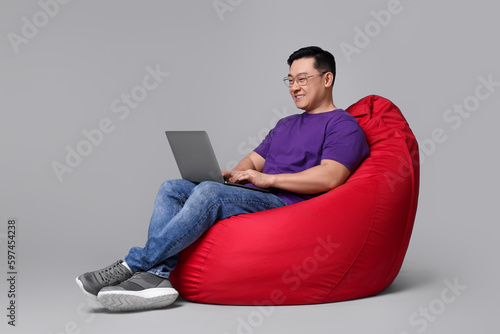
x=324 y=177
x=252 y=161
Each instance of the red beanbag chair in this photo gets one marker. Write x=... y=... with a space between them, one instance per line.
x=347 y=243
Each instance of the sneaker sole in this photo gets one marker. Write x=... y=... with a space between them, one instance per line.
x=88 y=294
x=137 y=300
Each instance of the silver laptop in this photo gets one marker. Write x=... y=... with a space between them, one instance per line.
x=196 y=159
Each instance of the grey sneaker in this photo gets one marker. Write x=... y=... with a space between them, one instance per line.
x=92 y=282
x=140 y=292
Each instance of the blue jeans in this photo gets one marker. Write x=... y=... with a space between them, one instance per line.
x=183 y=211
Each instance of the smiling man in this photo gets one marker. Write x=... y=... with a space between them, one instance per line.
x=309 y=153
x=304 y=156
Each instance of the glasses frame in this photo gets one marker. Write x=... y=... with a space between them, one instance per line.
x=289 y=80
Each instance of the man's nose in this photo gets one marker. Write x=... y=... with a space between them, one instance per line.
x=294 y=86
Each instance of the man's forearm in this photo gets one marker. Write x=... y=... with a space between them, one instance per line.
x=251 y=161
x=244 y=164
x=318 y=179
x=314 y=180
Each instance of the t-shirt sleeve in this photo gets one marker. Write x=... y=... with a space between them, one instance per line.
x=345 y=143
x=263 y=147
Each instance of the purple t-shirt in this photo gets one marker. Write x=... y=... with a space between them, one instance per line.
x=299 y=142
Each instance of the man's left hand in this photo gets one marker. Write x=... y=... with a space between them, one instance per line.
x=256 y=178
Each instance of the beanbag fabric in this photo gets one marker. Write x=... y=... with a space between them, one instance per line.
x=347 y=243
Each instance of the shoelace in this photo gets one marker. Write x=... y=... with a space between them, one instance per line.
x=111 y=273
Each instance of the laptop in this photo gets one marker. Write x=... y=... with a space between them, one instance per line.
x=196 y=159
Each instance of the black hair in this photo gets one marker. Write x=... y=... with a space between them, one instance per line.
x=324 y=61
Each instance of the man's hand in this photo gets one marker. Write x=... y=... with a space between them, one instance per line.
x=226 y=175
x=249 y=170
x=318 y=179
x=249 y=176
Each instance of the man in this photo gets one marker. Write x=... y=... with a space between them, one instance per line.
x=303 y=156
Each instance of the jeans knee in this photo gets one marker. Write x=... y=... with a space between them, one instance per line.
x=173 y=186
x=167 y=185
x=209 y=190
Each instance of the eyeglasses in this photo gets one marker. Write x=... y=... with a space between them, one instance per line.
x=301 y=79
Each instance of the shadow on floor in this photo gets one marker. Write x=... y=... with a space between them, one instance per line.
x=410 y=279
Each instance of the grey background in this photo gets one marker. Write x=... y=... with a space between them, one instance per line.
x=226 y=70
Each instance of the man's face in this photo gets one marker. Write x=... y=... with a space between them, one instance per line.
x=312 y=95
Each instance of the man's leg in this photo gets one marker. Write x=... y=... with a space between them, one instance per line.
x=207 y=203
x=169 y=201
x=182 y=213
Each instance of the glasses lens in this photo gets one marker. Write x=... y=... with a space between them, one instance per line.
x=302 y=80
x=288 y=81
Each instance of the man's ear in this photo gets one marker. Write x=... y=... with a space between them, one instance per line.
x=328 y=79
